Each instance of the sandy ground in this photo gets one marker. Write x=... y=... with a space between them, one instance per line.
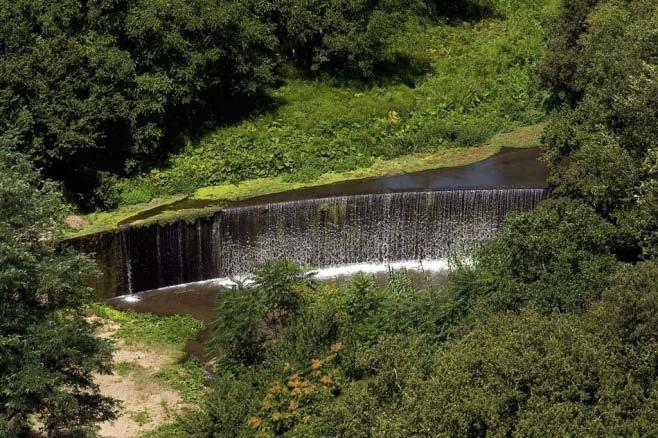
x=146 y=403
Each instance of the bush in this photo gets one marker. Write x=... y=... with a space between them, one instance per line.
x=554 y=258
x=629 y=308
x=238 y=330
x=309 y=334
x=519 y=375
x=281 y=286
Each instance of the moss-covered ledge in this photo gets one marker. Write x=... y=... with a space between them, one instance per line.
x=222 y=195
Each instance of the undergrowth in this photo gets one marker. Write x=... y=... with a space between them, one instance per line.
x=471 y=80
x=168 y=333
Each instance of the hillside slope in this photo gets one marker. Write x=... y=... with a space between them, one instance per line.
x=459 y=84
x=454 y=85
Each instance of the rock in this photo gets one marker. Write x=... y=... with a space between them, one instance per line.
x=76 y=222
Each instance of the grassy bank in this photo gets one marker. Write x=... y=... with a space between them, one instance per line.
x=523 y=137
x=152 y=375
x=455 y=85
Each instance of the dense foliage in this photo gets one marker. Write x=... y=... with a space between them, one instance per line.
x=343 y=36
x=364 y=360
x=48 y=351
x=96 y=88
x=549 y=329
x=440 y=84
x=602 y=69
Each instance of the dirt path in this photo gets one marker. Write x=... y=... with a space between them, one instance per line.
x=146 y=402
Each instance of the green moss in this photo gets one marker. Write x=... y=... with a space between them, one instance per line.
x=409 y=163
x=110 y=220
x=524 y=137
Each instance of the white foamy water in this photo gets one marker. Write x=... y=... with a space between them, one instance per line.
x=328 y=273
x=376 y=268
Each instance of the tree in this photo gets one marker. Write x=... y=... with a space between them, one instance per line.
x=247 y=316
x=601 y=68
x=555 y=258
x=281 y=286
x=344 y=37
x=108 y=84
x=531 y=375
x=558 y=66
x=48 y=351
x=639 y=221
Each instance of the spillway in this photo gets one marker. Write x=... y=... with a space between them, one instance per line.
x=320 y=232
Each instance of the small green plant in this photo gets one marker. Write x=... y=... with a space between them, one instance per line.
x=141 y=417
x=125 y=368
x=188 y=378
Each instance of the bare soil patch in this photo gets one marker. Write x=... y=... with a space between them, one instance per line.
x=146 y=401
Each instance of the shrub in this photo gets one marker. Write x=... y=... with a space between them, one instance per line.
x=280 y=286
x=629 y=308
x=554 y=258
x=238 y=329
x=517 y=375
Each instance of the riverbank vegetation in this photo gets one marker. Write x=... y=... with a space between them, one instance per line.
x=476 y=83
x=162 y=98
x=164 y=210
x=154 y=379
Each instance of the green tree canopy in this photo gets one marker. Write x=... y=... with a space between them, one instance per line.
x=105 y=84
x=341 y=36
x=48 y=352
x=601 y=67
x=557 y=257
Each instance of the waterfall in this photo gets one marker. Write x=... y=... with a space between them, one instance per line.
x=124 y=242
x=322 y=232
